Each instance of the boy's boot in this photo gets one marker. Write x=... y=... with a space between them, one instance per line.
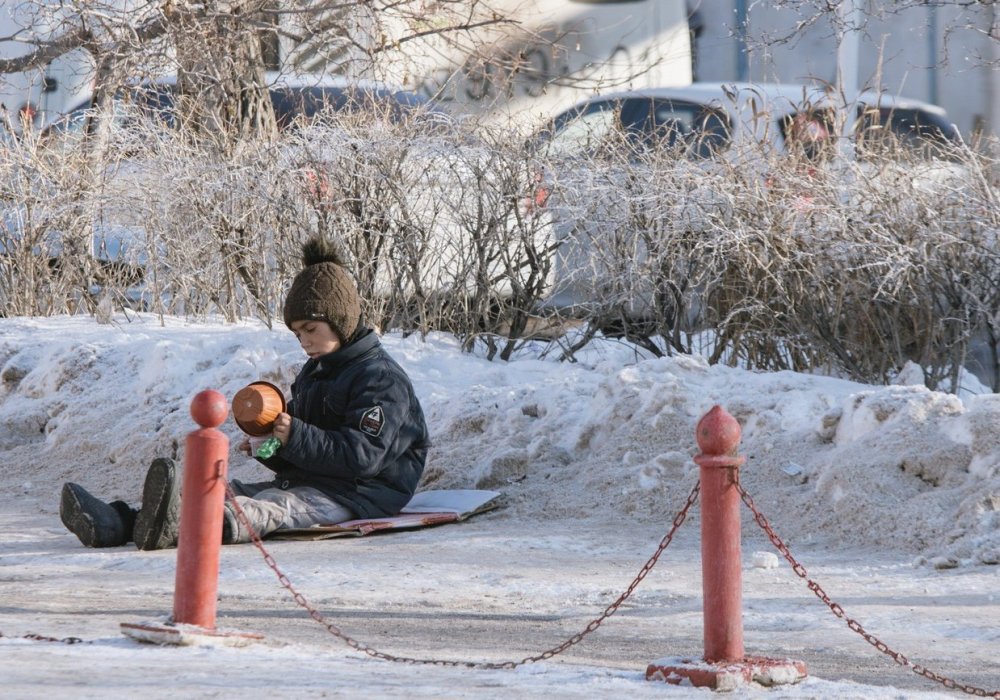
x=233 y=531
x=94 y=522
x=158 y=521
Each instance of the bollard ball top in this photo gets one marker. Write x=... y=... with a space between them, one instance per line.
x=209 y=408
x=718 y=433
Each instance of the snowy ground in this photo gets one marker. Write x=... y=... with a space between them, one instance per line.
x=889 y=496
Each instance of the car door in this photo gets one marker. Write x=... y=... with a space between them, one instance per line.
x=594 y=148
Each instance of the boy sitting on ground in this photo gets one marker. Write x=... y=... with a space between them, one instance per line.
x=353 y=439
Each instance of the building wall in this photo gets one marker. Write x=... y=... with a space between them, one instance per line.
x=959 y=69
x=40 y=93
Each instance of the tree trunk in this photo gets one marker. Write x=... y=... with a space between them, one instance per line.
x=221 y=82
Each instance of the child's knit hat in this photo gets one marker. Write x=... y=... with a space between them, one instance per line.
x=324 y=290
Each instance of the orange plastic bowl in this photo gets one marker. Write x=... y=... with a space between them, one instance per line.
x=255 y=407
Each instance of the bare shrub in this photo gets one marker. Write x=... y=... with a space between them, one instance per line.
x=370 y=187
x=912 y=246
x=502 y=246
x=787 y=261
x=778 y=262
x=432 y=218
x=49 y=229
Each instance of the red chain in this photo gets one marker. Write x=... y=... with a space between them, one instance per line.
x=853 y=624
x=43 y=638
x=679 y=519
x=359 y=646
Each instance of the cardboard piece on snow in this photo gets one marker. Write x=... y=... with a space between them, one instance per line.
x=424 y=509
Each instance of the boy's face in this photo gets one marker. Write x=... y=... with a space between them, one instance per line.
x=316 y=337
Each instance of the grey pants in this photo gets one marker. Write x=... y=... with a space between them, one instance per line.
x=271 y=508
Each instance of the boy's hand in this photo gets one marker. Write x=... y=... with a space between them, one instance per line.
x=283 y=427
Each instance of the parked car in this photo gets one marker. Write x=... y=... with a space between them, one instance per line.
x=727 y=119
x=297 y=101
x=595 y=149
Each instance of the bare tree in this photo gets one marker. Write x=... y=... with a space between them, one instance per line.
x=220 y=49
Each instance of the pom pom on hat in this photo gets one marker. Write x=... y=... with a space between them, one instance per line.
x=324 y=290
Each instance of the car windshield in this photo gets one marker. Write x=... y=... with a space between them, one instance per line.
x=810 y=133
x=582 y=130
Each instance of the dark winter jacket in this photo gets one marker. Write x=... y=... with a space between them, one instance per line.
x=358 y=432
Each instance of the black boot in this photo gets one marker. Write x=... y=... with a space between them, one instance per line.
x=94 y=522
x=158 y=521
x=128 y=515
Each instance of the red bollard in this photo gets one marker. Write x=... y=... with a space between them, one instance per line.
x=718 y=436
x=725 y=665
x=204 y=494
x=203 y=497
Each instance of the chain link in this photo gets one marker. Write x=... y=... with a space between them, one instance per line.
x=43 y=638
x=548 y=654
x=853 y=624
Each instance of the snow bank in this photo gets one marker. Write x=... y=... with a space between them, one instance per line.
x=605 y=441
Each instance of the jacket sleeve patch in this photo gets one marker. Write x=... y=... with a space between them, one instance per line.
x=372 y=421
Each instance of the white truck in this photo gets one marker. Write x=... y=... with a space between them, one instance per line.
x=549 y=55
x=556 y=53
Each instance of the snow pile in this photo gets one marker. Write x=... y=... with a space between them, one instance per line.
x=606 y=441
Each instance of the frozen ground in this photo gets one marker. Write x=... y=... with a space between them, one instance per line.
x=888 y=496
